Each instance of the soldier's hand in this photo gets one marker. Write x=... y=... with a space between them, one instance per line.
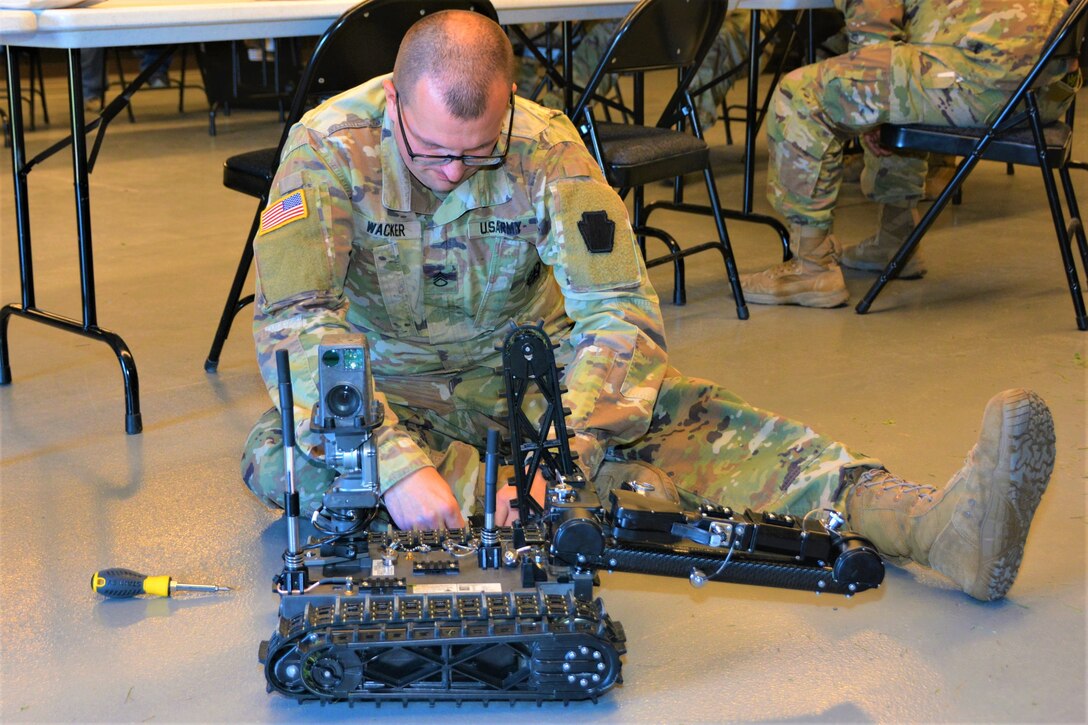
x=505 y=514
x=423 y=500
x=871 y=141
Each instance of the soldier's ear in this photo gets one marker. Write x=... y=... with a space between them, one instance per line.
x=390 y=93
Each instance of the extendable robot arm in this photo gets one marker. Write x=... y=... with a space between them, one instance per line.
x=635 y=533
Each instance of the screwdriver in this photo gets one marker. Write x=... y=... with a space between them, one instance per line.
x=124 y=583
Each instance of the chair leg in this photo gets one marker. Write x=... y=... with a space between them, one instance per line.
x=181 y=83
x=121 y=80
x=235 y=302
x=36 y=69
x=726 y=248
x=675 y=256
x=1074 y=213
x=1065 y=243
x=907 y=248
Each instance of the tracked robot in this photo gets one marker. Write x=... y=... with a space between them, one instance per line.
x=488 y=613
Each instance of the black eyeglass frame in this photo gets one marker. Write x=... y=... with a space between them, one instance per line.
x=479 y=161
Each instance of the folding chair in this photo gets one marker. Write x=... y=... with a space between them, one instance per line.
x=1016 y=136
x=659 y=35
x=361 y=44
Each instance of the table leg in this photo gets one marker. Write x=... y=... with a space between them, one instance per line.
x=28 y=308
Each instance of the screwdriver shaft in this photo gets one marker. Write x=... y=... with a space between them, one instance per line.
x=178 y=586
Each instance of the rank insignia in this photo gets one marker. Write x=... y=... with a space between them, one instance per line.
x=598 y=231
x=283 y=211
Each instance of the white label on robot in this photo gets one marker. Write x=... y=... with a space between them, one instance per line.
x=486 y=587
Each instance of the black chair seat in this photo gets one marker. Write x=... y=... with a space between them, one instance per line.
x=1010 y=138
x=251 y=173
x=637 y=155
x=1016 y=146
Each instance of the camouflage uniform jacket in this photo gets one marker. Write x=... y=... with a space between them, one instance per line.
x=433 y=281
x=992 y=42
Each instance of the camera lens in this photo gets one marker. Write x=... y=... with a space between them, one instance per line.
x=343 y=401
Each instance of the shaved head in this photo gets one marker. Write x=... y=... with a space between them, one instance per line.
x=462 y=52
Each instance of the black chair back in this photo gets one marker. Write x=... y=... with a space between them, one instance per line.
x=658 y=35
x=363 y=44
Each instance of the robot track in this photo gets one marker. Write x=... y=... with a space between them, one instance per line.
x=518 y=646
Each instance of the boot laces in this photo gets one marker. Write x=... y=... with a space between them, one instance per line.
x=890 y=482
x=791 y=268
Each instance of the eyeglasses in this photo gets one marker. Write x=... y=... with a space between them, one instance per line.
x=466 y=159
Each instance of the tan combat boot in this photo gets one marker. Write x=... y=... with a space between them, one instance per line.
x=895 y=225
x=812 y=278
x=972 y=530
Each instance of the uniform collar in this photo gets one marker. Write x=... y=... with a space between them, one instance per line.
x=402 y=192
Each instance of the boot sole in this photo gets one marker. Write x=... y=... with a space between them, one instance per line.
x=1027 y=455
x=906 y=273
x=804 y=299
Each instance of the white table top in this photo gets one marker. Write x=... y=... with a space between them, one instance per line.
x=138 y=22
x=102 y=23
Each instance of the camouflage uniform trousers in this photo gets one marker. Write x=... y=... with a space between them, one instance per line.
x=729 y=51
x=819 y=107
x=710 y=443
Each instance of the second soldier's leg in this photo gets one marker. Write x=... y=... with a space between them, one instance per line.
x=813 y=112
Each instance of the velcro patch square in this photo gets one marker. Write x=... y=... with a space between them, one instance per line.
x=283 y=211
x=597 y=250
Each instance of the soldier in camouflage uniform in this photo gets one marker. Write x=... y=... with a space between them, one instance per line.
x=914 y=61
x=426 y=212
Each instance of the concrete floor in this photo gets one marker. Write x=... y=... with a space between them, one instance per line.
x=907 y=383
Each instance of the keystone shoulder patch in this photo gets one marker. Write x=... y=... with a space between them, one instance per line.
x=598 y=231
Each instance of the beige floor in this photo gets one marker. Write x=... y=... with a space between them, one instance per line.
x=907 y=382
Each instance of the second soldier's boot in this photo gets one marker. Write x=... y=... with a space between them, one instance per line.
x=973 y=529
x=895 y=225
x=812 y=278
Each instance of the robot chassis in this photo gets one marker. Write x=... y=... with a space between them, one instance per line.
x=487 y=613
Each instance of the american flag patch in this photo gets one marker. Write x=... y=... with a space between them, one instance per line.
x=283 y=211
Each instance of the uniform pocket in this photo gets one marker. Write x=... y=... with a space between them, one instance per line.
x=513 y=269
x=383 y=281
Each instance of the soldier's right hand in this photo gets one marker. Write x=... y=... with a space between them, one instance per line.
x=423 y=500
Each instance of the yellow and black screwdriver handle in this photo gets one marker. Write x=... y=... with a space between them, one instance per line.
x=125 y=583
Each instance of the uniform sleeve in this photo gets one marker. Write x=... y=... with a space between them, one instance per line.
x=873 y=21
x=302 y=253
x=619 y=356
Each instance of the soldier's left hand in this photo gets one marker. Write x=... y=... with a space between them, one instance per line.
x=505 y=514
